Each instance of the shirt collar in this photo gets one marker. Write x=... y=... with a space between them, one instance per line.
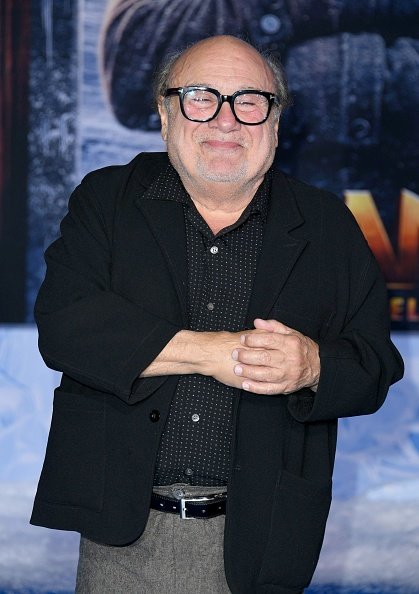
x=168 y=186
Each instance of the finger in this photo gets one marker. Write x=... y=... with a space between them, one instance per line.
x=273 y=326
x=264 y=324
x=269 y=340
x=259 y=373
x=252 y=356
x=267 y=388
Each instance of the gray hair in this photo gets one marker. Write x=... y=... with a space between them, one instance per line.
x=280 y=81
x=163 y=74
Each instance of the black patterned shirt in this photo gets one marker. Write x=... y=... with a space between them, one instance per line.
x=195 y=445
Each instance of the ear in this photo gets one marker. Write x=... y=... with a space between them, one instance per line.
x=276 y=128
x=163 y=118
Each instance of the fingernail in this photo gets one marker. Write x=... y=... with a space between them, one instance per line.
x=238 y=370
x=243 y=338
x=235 y=354
x=245 y=386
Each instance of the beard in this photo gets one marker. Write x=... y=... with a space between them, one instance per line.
x=218 y=170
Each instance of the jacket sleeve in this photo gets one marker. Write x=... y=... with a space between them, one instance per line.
x=86 y=330
x=358 y=360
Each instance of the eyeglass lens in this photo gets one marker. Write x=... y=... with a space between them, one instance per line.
x=201 y=105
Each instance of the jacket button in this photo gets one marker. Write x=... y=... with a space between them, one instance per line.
x=154 y=416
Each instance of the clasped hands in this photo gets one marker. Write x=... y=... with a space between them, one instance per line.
x=275 y=359
x=271 y=359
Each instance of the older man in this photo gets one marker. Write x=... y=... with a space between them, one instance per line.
x=212 y=319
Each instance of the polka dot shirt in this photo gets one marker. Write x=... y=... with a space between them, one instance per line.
x=195 y=445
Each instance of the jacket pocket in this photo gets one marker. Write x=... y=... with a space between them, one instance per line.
x=74 y=468
x=296 y=534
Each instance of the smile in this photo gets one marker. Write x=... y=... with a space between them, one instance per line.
x=222 y=145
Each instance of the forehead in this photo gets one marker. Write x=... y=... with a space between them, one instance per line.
x=225 y=64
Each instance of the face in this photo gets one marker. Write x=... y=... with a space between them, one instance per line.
x=222 y=150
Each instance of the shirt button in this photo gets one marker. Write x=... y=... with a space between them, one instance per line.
x=210 y=306
x=195 y=417
x=178 y=492
x=188 y=471
x=214 y=249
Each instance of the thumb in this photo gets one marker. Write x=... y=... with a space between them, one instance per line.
x=272 y=326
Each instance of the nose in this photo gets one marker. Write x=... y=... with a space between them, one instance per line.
x=225 y=119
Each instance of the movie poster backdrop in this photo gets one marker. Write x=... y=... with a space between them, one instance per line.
x=352 y=65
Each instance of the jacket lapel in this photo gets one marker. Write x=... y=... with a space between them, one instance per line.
x=280 y=250
x=165 y=219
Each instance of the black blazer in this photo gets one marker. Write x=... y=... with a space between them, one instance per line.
x=115 y=294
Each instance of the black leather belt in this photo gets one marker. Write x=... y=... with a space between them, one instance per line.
x=191 y=507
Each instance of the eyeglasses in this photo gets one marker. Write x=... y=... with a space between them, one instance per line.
x=202 y=104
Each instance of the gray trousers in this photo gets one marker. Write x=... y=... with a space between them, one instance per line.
x=173 y=556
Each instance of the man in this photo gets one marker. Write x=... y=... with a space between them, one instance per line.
x=212 y=320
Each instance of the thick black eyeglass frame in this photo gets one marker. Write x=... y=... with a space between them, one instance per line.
x=181 y=92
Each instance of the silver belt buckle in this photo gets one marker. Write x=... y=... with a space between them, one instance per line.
x=185 y=500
